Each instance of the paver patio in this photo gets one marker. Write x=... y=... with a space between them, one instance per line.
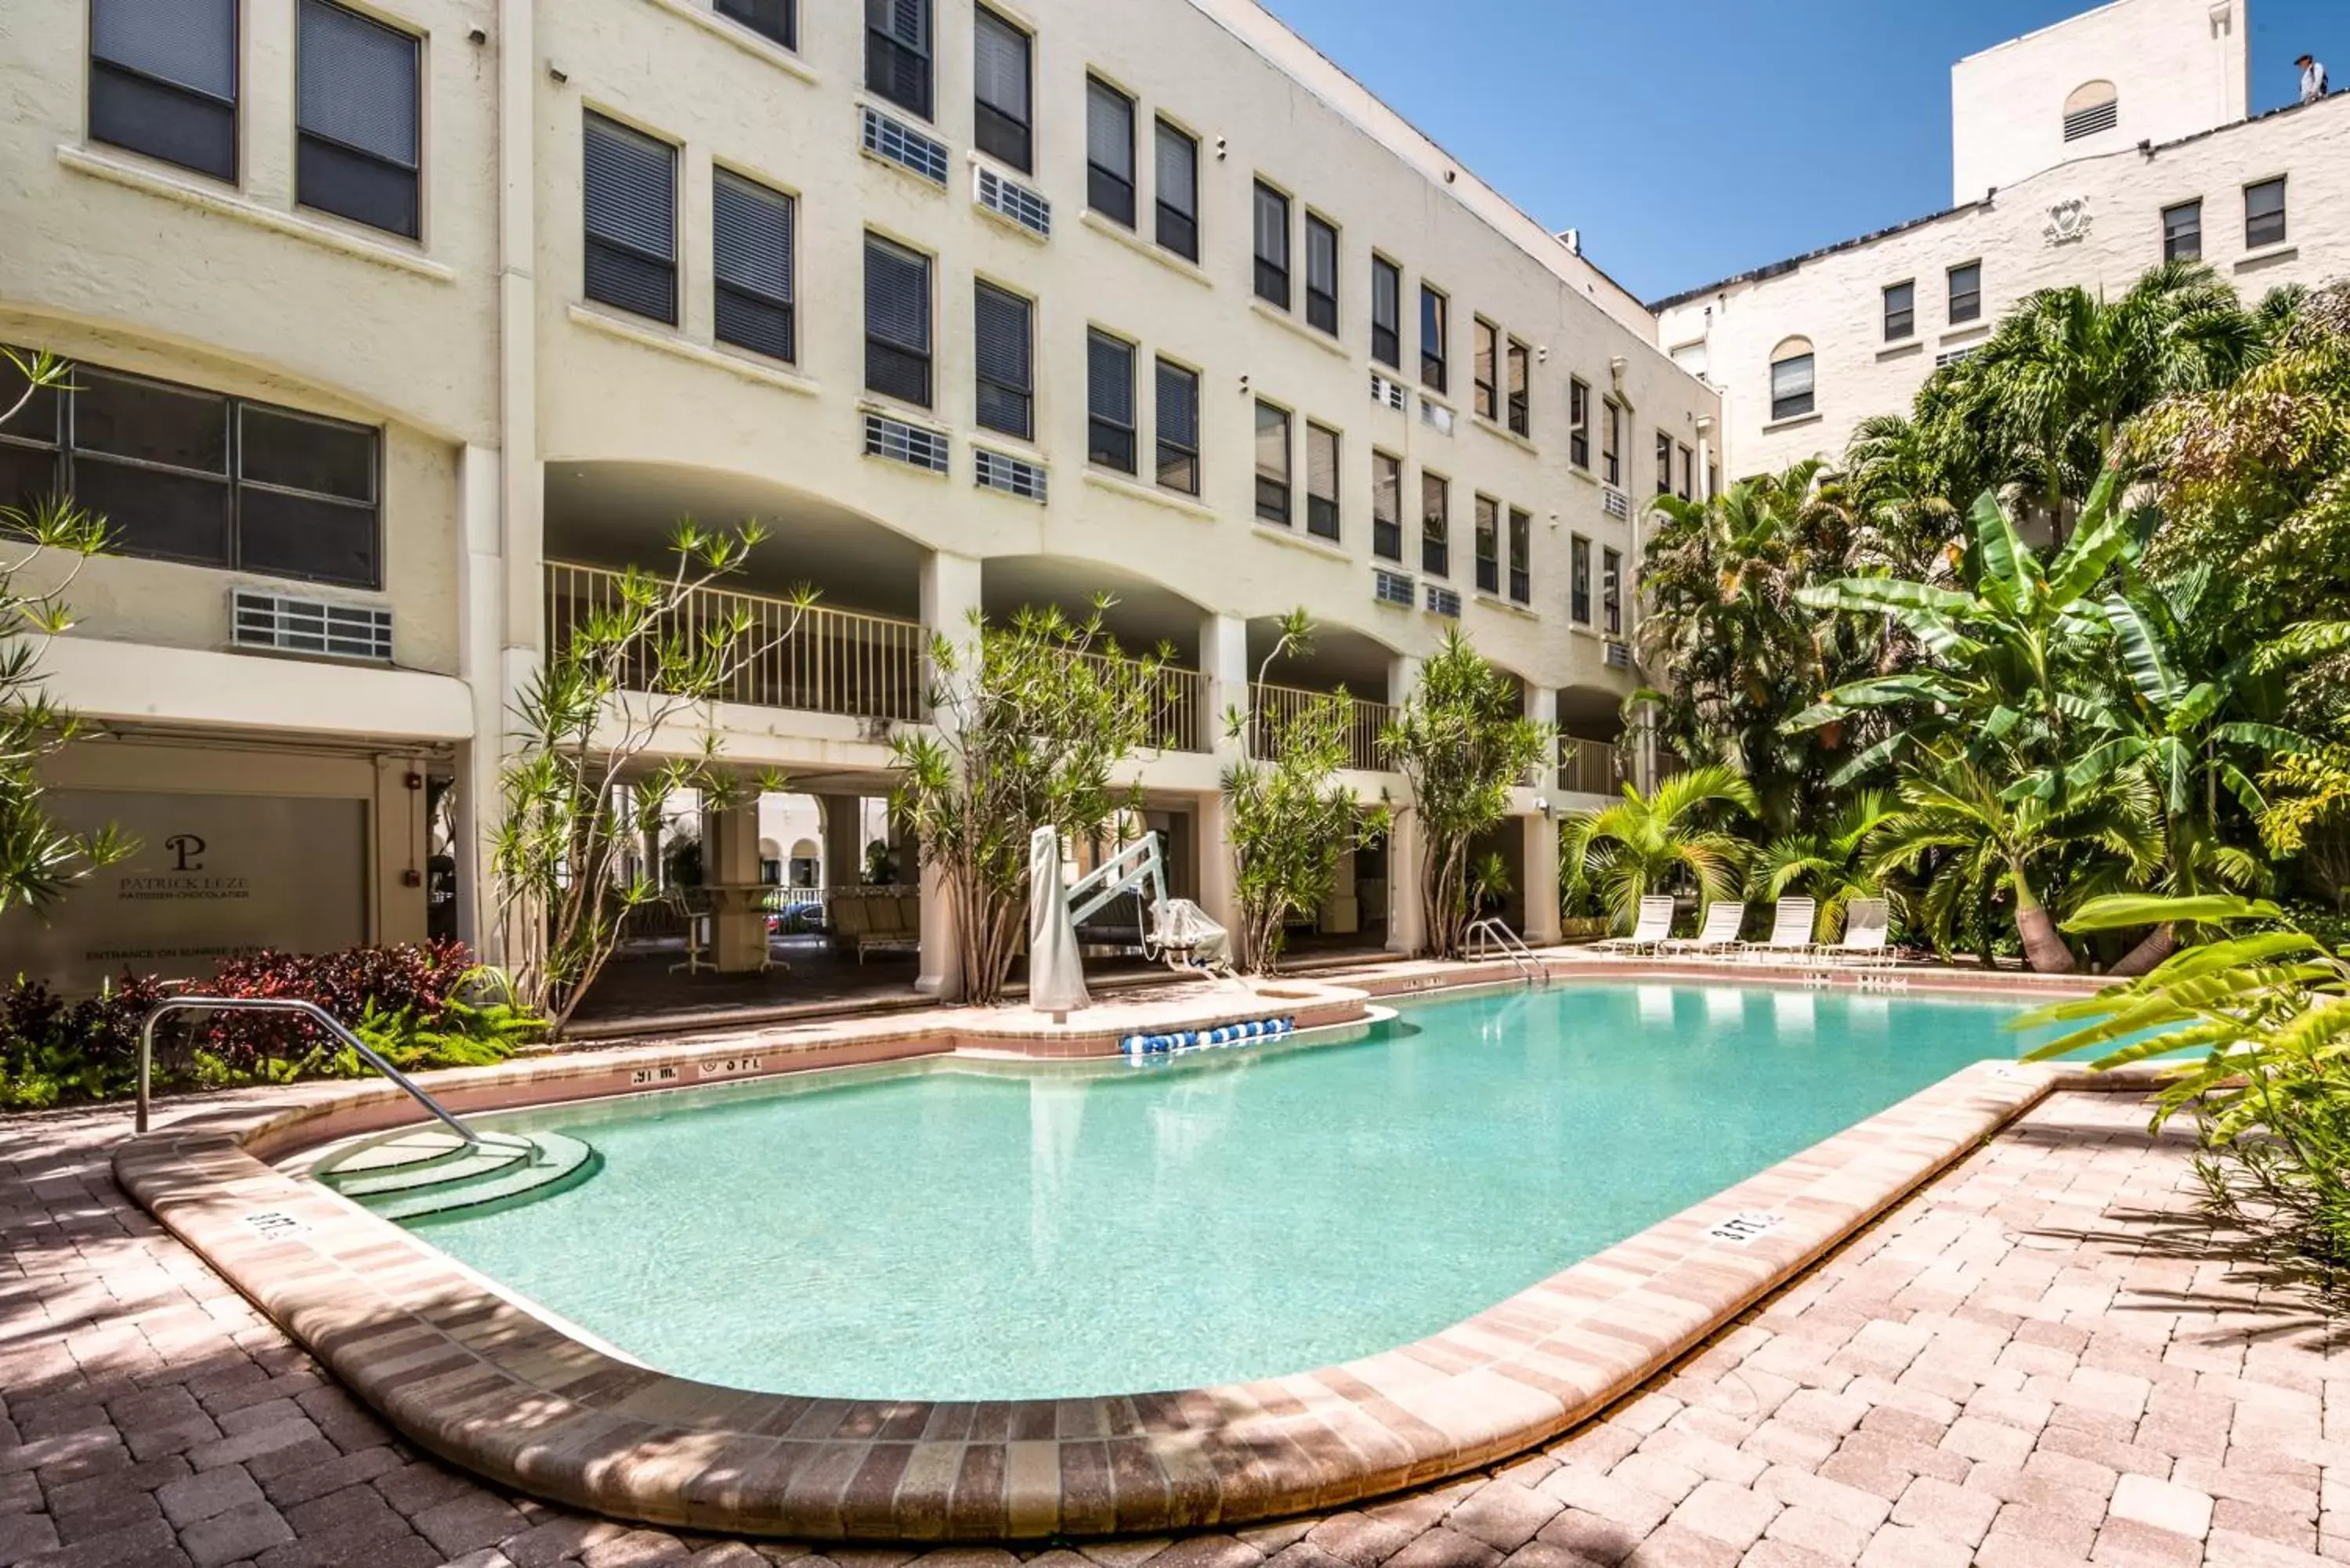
x=2043 y=1357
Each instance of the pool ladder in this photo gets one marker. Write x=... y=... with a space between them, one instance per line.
x=1490 y=935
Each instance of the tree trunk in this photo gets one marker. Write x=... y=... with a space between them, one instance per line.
x=2158 y=944
x=2044 y=949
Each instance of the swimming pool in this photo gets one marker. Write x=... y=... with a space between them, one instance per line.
x=953 y=1230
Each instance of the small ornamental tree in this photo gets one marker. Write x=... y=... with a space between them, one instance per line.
x=1462 y=744
x=584 y=785
x=42 y=548
x=1028 y=729
x=1289 y=821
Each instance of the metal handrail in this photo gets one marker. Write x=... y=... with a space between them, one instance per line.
x=1513 y=948
x=317 y=1015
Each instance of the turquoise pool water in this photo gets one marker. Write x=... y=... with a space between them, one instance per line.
x=955 y=1231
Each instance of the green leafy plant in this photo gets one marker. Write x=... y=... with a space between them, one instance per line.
x=1648 y=844
x=1832 y=862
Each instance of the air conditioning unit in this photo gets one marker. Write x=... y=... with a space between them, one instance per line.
x=902 y=442
x=1392 y=588
x=894 y=141
x=1435 y=416
x=283 y=624
x=1615 y=503
x=1619 y=655
x=1012 y=475
x=1445 y=602
x=1014 y=202
x=1388 y=392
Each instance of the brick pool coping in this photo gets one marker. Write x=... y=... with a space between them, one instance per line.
x=478 y=1379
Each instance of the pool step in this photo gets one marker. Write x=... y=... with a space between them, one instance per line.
x=428 y=1171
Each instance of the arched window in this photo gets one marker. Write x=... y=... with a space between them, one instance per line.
x=1791 y=379
x=2094 y=107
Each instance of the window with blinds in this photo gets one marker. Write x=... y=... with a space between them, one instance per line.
x=896 y=322
x=1579 y=423
x=1792 y=387
x=1519 y=374
x=1387 y=506
x=630 y=186
x=1578 y=591
x=1271 y=227
x=751 y=262
x=356 y=138
x=1664 y=463
x=1688 y=472
x=1435 y=524
x=1272 y=465
x=897 y=53
x=1485 y=367
x=1179 y=428
x=2183 y=232
x=1109 y=401
x=1110 y=152
x=163 y=81
x=999 y=83
x=1002 y=344
x=1611 y=592
x=1322 y=274
x=1611 y=440
x=1521 y=563
x=1387 y=313
x=2264 y=213
x=1488 y=545
x=1179 y=191
x=1321 y=481
x=1966 y=292
x=776 y=19
x=1435 y=313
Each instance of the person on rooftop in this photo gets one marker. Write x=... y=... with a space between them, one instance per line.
x=2312 y=79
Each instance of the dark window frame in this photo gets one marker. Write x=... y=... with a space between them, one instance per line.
x=751 y=14
x=1182 y=447
x=1274 y=491
x=1664 y=463
x=996 y=130
x=1386 y=314
x=1611 y=441
x=1578 y=422
x=2183 y=242
x=1271 y=275
x=1900 y=310
x=1110 y=443
x=1108 y=191
x=619 y=248
x=1322 y=512
x=133 y=83
x=1435 y=337
x=1517 y=387
x=1520 y=544
x=1009 y=395
x=1321 y=303
x=1794 y=405
x=1484 y=369
x=1177 y=227
x=1611 y=590
x=887 y=54
x=1386 y=532
x=1435 y=524
x=1485 y=531
x=1966 y=303
x=744 y=296
x=321 y=162
x=923 y=357
x=2265 y=229
x=1689 y=471
x=1579 y=587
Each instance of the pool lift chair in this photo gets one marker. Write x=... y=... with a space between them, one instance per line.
x=1176 y=932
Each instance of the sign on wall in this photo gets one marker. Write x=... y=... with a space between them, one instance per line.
x=214 y=875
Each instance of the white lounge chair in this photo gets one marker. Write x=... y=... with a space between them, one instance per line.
x=1866 y=923
x=1717 y=933
x=1790 y=933
x=1655 y=925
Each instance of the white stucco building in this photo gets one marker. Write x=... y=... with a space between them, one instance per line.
x=398 y=322
x=2081 y=154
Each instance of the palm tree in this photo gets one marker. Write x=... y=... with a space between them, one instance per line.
x=1830 y=862
x=1645 y=844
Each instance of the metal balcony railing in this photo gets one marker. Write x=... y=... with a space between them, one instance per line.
x=1178 y=708
x=1272 y=706
x=834 y=661
x=1595 y=767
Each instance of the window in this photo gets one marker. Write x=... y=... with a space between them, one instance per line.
x=1387 y=506
x=1900 y=310
x=1387 y=313
x=1110 y=152
x=184 y=474
x=1484 y=369
x=1435 y=525
x=1000 y=89
x=1003 y=347
x=897 y=321
x=163 y=81
x=1966 y=292
x=778 y=19
x=1664 y=463
x=1611 y=592
x=1611 y=440
x=1272 y=246
x=1179 y=428
x=1109 y=401
x=1321 y=274
x=2183 y=232
x=1435 y=313
x=1272 y=465
x=631 y=198
x=1712 y=479
x=751 y=228
x=1791 y=379
x=1179 y=191
x=1520 y=411
x=2264 y=213
x=1488 y=545
x=897 y=53
x=356 y=119
x=1321 y=481
x=1522 y=562
x=1579 y=423
x=2094 y=107
x=1689 y=467
x=1578 y=600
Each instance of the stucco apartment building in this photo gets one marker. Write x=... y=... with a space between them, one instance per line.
x=399 y=324
x=2081 y=154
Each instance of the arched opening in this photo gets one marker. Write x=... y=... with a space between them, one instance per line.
x=2092 y=107
x=1792 y=386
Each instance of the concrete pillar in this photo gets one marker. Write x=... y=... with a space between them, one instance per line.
x=1226 y=674
x=844 y=839
x=730 y=865
x=1407 y=916
x=1218 y=875
x=1538 y=878
x=951 y=595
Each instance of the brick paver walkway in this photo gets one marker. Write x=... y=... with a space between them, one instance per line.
x=2039 y=1359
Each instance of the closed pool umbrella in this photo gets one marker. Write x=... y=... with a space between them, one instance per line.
x=1056 y=975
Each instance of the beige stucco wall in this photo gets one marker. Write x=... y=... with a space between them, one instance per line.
x=1836 y=299
x=2177 y=66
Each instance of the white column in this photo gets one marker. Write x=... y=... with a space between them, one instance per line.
x=1539 y=873
x=951 y=595
x=1225 y=675
x=1407 y=916
x=730 y=862
x=844 y=839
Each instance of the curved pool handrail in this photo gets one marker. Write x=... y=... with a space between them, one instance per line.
x=311 y=1010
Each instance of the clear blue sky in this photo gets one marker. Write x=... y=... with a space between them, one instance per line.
x=1692 y=139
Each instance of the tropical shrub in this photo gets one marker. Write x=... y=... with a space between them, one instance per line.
x=1832 y=863
x=1647 y=844
x=56 y=1052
